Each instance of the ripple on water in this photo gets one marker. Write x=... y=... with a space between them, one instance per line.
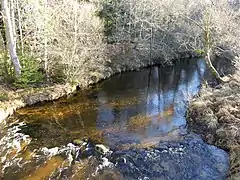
x=189 y=158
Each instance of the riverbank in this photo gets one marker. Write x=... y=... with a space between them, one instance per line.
x=123 y=59
x=215 y=114
x=13 y=100
x=138 y=115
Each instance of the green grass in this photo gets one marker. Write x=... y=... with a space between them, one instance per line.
x=4 y=96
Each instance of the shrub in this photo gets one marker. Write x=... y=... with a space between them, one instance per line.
x=31 y=73
x=4 y=96
x=6 y=69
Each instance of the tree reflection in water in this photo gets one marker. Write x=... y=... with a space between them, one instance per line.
x=129 y=107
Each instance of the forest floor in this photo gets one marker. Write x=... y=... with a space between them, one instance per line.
x=215 y=114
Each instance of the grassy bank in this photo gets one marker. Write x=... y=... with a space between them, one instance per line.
x=215 y=114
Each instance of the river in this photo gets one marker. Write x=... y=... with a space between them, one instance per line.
x=139 y=116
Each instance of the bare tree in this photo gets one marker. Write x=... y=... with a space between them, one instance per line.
x=206 y=27
x=218 y=23
x=208 y=46
x=68 y=37
x=10 y=32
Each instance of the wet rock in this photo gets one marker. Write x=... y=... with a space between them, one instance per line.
x=102 y=149
x=88 y=148
x=78 y=142
x=187 y=159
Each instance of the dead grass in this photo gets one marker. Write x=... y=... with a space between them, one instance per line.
x=215 y=114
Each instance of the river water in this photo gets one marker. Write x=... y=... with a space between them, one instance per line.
x=140 y=116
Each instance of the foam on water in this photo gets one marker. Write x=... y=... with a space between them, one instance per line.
x=11 y=144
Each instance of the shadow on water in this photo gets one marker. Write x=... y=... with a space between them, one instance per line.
x=130 y=110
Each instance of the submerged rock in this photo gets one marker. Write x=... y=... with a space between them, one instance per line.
x=88 y=148
x=190 y=158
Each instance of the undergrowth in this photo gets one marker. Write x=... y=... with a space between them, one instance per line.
x=32 y=73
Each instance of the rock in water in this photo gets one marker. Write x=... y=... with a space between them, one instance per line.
x=190 y=158
x=78 y=142
x=102 y=149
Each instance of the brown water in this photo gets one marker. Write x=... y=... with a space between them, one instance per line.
x=132 y=109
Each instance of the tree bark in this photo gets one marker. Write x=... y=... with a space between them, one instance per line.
x=208 y=48
x=212 y=69
x=11 y=43
x=20 y=26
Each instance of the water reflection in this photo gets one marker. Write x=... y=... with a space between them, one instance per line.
x=129 y=107
x=131 y=112
x=162 y=94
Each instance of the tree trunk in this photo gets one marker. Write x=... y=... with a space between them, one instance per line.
x=11 y=43
x=208 y=48
x=20 y=26
x=212 y=69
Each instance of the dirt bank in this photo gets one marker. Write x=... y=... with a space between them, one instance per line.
x=215 y=114
x=12 y=100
